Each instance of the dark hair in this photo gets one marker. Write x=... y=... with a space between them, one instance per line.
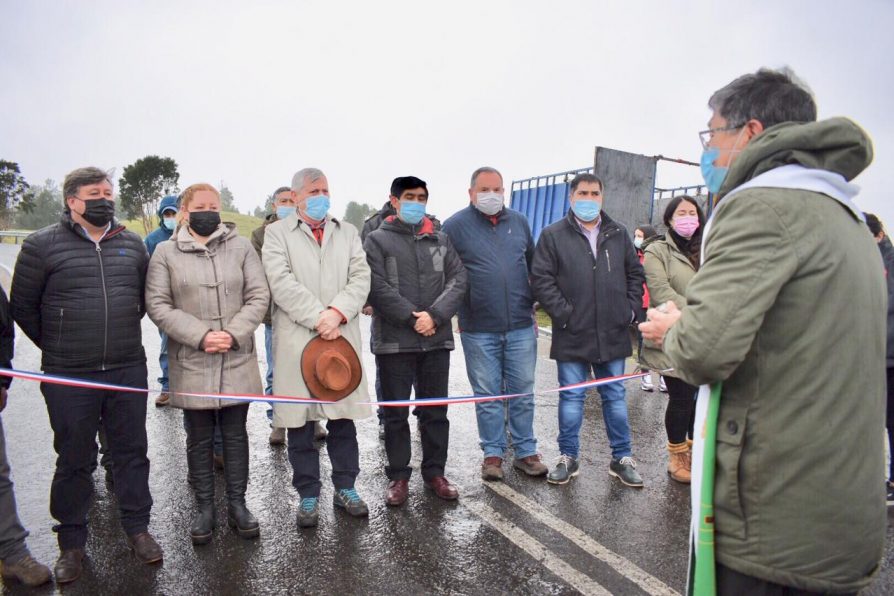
x=874 y=223
x=591 y=178
x=83 y=177
x=402 y=184
x=647 y=230
x=281 y=189
x=675 y=202
x=769 y=96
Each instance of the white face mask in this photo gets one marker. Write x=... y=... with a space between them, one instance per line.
x=638 y=242
x=489 y=203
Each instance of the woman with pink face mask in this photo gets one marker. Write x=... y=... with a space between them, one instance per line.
x=670 y=263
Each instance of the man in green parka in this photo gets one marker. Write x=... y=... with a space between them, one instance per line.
x=788 y=312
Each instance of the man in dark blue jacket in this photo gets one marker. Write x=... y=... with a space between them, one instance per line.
x=167 y=221
x=77 y=293
x=587 y=276
x=496 y=321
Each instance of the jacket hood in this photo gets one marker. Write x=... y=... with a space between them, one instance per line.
x=186 y=243
x=392 y=222
x=271 y=217
x=836 y=145
x=169 y=202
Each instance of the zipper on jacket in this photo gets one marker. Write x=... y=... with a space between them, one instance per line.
x=608 y=261
x=105 y=297
x=59 y=338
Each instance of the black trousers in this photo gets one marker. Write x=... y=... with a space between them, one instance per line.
x=429 y=371
x=679 y=417
x=344 y=455
x=205 y=427
x=75 y=415
x=889 y=420
x=733 y=583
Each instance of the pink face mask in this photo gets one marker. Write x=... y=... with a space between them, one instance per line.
x=685 y=225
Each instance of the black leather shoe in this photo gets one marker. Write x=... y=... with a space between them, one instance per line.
x=69 y=566
x=145 y=548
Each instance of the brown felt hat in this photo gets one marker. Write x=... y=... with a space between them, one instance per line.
x=331 y=369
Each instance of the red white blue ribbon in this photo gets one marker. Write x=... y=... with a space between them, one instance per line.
x=289 y=399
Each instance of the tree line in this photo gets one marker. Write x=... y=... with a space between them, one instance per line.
x=141 y=187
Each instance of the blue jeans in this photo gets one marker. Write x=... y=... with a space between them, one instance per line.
x=268 y=348
x=163 y=360
x=614 y=406
x=498 y=362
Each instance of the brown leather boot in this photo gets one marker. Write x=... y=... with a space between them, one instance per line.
x=27 y=570
x=679 y=463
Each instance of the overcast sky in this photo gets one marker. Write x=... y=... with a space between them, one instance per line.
x=249 y=92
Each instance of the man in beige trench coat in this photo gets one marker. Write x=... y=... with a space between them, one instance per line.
x=319 y=281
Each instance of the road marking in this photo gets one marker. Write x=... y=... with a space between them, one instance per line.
x=536 y=549
x=647 y=582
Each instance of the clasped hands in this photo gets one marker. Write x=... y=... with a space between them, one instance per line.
x=217 y=341
x=658 y=321
x=425 y=325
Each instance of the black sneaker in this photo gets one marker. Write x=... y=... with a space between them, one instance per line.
x=890 y=490
x=625 y=471
x=566 y=469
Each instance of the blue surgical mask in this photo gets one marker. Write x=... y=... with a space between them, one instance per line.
x=283 y=211
x=317 y=207
x=412 y=212
x=713 y=175
x=169 y=223
x=586 y=210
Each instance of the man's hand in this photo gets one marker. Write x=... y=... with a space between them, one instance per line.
x=217 y=341
x=328 y=324
x=424 y=324
x=3 y=396
x=367 y=310
x=658 y=321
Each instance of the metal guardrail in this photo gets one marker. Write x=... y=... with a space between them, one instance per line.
x=17 y=235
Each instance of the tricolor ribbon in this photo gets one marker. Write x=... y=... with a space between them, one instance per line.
x=289 y=399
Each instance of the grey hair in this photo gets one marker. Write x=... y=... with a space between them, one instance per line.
x=769 y=96
x=484 y=170
x=281 y=189
x=304 y=176
x=82 y=177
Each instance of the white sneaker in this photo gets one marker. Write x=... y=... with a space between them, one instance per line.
x=662 y=387
x=646 y=384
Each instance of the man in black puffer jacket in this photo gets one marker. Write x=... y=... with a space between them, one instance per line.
x=418 y=283
x=77 y=292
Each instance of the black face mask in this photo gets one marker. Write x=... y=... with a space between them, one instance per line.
x=98 y=212
x=204 y=223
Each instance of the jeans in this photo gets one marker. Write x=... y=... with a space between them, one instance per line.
x=429 y=371
x=12 y=534
x=268 y=348
x=75 y=414
x=614 y=406
x=163 y=360
x=498 y=362
x=344 y=455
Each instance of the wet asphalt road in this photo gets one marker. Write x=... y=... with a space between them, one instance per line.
x=521 y=536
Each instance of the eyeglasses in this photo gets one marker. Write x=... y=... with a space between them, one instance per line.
x=705 y=136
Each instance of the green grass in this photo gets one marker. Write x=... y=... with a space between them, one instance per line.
x=244 y=223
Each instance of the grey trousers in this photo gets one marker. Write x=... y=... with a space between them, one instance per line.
x=12 y=534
